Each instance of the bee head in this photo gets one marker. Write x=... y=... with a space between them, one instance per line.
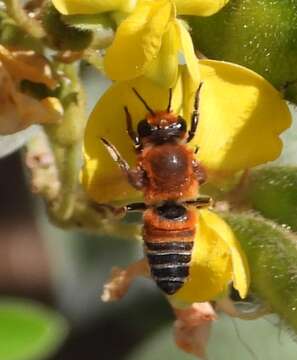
x=160 y=126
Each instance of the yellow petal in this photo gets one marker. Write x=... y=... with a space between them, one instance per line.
x=199 y=7
x=69 y=7
x=189 y=53
x=211 y=266
x=240 y=268
x=138 y=40
x=241 y=118
x=101 y=176
x=164 y=69
x=189 y=91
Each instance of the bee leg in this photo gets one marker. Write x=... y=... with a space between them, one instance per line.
x=195 y=115
x=130 y=130
x=136 y=207
x=199 y=172
x=121 y=279
x=201 y=202
x=135 y=176
x=169 y=101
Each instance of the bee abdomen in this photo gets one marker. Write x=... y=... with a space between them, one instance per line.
x=169 y=263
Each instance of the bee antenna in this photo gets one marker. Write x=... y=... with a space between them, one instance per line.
x=169 y=100
x=143 y=101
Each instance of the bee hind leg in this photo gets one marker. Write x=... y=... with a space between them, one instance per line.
x=121 y=279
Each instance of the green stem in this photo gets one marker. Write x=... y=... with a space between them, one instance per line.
x=68 y=206
x=66 y=142
x=31 y=26
x=67 y=162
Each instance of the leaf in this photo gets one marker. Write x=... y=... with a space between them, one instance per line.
x=273 y=192
x=29 y=331
x=272 y=257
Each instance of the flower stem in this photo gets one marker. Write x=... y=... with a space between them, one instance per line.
x=66 y=142
x=67 y=162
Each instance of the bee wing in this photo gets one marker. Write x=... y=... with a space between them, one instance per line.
x=101 y=176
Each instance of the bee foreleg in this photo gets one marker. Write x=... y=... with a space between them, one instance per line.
x=135 y=176
x=195 y=115
x=130 y=130
x=116 y=156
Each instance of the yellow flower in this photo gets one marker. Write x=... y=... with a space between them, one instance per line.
x=241 y=118
x=217 y=259
x=149 y=40
x=19 y=110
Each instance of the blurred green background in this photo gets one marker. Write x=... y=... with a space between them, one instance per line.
x=64 y=272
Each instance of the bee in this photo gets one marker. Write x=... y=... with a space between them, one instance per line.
x=169 y=176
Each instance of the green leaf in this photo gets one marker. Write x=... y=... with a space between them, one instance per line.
x=272 y=257
x=273 y=192
x=259 y=34
x=29 y=331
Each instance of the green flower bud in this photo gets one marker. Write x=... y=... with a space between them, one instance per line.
x=271 y=253
x=272 y=192
x=61 y=35
x=259 y=34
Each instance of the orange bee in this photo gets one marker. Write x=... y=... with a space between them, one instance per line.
x=170 y=176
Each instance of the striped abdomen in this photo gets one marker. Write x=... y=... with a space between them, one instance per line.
x=169 y=240
x=169 y=263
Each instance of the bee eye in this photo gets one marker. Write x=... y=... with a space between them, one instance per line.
x=144 y=128
x=182 y=125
